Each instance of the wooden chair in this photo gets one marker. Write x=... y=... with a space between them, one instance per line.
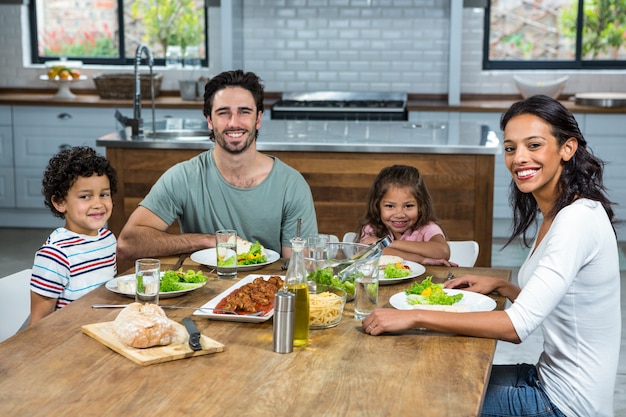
x=14 y=302
x=464 y=252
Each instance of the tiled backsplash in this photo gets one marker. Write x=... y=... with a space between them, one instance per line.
x=364 y=45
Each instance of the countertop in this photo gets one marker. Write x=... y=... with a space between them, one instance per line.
x=171 y=99
x=340 y=136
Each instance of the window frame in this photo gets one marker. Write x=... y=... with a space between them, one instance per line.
x=120 y=59
x=576 y=64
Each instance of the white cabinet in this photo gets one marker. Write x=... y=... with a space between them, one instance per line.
x=7 y=179
x=40 y=132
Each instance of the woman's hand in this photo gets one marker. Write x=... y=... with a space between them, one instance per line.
x=484 y=285
x=387 y=320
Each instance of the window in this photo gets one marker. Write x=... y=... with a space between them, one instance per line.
x=555 y=34
x=89 y=30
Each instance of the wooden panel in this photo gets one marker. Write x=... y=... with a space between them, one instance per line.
x=461 y=187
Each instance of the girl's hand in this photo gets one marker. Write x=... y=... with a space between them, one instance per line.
x=433 y=261
x=369 y=240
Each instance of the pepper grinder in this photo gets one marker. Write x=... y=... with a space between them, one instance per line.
x=284 y=318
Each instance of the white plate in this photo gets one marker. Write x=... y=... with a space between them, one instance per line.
x=232 y=317
x=471 y=301
x=112 y=286
x=207 y=257
x=415 y=268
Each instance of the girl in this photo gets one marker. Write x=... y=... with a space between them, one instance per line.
x=399 y=206
x=569 y=282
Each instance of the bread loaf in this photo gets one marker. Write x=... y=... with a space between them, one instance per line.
x=389 y=259
x=143 y=326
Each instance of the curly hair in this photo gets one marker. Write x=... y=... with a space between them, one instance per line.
x=581 y=176
x=66 y=167
x=237 y=78
x=397 y=176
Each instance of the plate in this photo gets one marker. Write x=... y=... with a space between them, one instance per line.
x=232 y=317
x=416 y=271
x=112 y=286
x=471 y=301
x=207 y=257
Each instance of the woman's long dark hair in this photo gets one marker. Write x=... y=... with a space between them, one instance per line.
x=397 y=176
x=581 y=176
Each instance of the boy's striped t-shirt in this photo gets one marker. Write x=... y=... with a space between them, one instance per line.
x=69 y=265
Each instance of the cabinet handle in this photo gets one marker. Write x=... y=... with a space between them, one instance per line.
x=64 y=116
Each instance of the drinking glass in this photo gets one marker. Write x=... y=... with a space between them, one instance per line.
x=366 y=287
x=226 y=251
x=148 y=276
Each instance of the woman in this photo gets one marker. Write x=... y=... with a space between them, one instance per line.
x=569 y=282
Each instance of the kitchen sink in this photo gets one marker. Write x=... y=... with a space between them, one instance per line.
x=183 y=135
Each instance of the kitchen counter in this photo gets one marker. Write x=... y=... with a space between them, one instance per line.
x=171 y=99
x=453 y=137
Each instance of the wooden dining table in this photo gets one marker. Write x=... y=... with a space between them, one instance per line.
x=53 y=368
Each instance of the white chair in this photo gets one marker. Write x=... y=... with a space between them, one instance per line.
x=464 y=252
x=350 y=237
x=14 y=302
x=333 y=239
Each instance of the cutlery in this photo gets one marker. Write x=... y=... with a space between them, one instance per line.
x=219 y=310
x=179 y=262
x=194 y=334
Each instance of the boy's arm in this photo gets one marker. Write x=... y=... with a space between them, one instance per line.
x=40 y=307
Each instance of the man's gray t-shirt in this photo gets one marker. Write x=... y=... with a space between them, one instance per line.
x=195 y=193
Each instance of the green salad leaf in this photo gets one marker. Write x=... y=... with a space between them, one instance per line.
x=395 y=271
x=325 y=276
x=253 y=257
x=426 y=292
x=180 y=280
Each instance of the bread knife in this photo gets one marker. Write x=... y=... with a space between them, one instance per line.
x=194 y=334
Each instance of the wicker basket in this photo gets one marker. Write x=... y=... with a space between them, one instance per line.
x=122 y=86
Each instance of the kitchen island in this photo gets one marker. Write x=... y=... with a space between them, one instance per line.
x=339 y=160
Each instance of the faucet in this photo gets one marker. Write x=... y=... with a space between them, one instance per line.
x=136 y=123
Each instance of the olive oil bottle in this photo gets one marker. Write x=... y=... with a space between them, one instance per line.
x=296 y=282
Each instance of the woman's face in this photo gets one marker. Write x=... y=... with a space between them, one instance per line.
x=399 y=210
x=533 y=156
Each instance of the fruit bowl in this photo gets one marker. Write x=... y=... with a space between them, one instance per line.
x=63 y=73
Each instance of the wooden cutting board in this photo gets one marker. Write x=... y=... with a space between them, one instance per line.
x=178 y=349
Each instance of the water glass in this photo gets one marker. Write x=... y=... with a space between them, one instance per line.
x=148 y=276
x=226 y=251
x=192 y=57
x=366 y=287
x=174 y=57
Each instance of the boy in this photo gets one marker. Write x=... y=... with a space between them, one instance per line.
x=78 y=185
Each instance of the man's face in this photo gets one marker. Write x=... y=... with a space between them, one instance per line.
x=234 y=119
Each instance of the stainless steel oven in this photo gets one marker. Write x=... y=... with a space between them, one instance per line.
x=337 y=105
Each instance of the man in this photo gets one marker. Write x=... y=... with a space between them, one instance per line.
x=232 y=186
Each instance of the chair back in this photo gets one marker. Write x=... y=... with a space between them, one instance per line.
x=464 y=252
x=14 y=302
x=350 y=237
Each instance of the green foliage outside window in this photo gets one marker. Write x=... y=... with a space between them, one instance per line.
x=604 y=30
x=170 y=22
